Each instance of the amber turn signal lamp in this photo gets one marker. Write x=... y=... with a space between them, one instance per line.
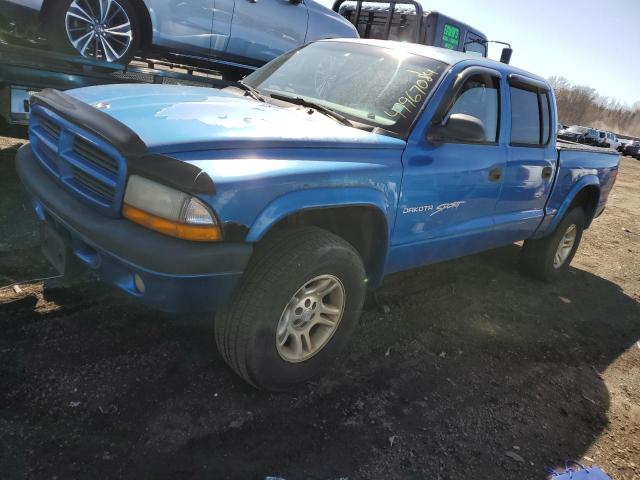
x=196 y=233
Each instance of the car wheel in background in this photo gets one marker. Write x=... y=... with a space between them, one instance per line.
x=549 y=257
x=298 y=303
x=107 y=30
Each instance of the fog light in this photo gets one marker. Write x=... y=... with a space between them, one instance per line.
x=137 y=279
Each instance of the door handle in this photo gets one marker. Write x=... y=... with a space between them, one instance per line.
x=495 y=175
x=547 y=172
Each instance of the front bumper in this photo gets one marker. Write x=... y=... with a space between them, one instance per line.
x=179 y=275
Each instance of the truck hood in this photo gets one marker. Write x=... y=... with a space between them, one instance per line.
x=172 y=118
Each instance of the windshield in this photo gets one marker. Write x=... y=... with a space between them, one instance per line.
x=376 y=86
x=576 y=129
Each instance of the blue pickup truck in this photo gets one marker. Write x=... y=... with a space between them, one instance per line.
x=277 y=201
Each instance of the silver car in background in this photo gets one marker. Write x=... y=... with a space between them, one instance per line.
x=241 y=34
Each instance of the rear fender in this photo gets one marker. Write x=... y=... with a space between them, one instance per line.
x=555 y=216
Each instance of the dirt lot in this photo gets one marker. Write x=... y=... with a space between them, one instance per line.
x=464 y=370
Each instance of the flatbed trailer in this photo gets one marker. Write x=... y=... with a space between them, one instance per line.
x=25 y=70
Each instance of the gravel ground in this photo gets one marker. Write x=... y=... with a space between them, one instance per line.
x=463 y=370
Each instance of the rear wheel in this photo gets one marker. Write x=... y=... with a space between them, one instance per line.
x=107 y=30
x=549 y=257
x=299 y=301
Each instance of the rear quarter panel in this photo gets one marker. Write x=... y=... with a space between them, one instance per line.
x=578 y=169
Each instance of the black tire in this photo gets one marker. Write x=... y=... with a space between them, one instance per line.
x=56 y=26
x=538 y=255
x=245 y=329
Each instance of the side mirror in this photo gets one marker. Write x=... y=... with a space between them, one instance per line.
x=459 y=128
x=505 y=57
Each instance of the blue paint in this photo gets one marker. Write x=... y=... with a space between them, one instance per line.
x=57 y=155
x=268 y=162
x=179 y=119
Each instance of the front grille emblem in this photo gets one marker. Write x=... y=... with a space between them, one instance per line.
x=102 y=106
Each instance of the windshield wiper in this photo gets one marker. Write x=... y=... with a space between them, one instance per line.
x=250 y=91
x=315 y=106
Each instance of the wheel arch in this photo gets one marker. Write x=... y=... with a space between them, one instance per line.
x=360 y=220
x=588 y=197
x=146 y=24
x=585 y=193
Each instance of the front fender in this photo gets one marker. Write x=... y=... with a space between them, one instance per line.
x=555 y=215
x=315 y=198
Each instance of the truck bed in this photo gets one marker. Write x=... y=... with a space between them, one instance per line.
x=581 y=147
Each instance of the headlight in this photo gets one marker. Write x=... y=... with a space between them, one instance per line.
x=168 y=211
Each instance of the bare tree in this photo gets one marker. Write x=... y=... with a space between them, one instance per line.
x=582 y=105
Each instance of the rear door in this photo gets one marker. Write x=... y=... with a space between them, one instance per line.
x=263 y=29
x=532 y=159
x=183 y=26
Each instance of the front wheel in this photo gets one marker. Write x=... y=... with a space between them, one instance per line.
x=549 y=257
x=107 y=30
x=297 y=305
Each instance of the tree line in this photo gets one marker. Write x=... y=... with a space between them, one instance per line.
x=582 y=105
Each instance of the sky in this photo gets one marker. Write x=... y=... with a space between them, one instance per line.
x=589 y=42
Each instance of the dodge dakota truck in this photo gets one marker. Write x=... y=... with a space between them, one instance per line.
x=277 y=201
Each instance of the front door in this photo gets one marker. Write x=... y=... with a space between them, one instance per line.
x=450 y=189
x=264 y=29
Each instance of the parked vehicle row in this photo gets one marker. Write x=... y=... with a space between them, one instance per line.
x=580 y=134
x=590 y=136
x=279 y=200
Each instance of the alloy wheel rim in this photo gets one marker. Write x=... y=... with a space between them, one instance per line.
x=565 y=246
x=310 y=318
x=99 y=29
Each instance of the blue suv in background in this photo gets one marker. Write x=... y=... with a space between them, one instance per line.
x=237 y=34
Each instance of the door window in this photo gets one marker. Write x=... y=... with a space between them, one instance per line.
x=480 y=98
x=530 y=117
